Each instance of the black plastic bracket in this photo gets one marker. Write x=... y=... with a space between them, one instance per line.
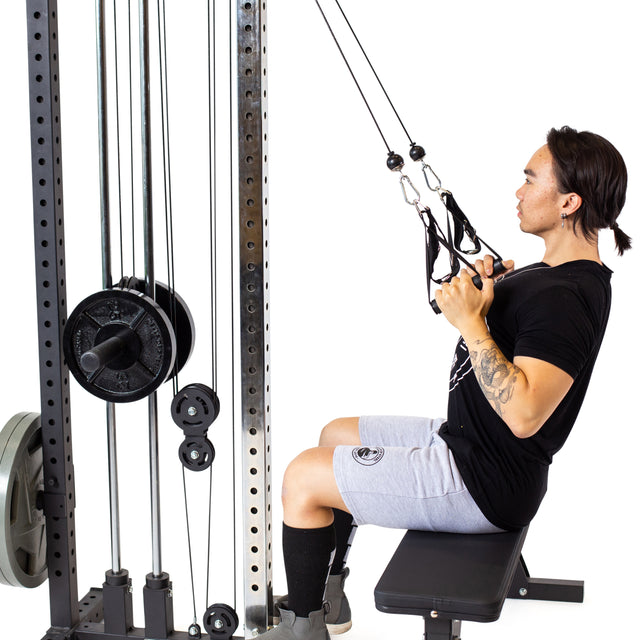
x=158 y=606
x=117 y=602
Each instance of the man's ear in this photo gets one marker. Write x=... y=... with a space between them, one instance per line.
x=572 y=202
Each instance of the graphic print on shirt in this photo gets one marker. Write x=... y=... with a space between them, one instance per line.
x=461 y=365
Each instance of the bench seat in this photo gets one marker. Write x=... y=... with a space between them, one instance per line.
x=465 y=577
x=446 y=578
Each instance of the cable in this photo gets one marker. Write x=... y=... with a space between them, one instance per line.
x=186 y=510
x=364 y=53
x=166 y=152
x=344 y=57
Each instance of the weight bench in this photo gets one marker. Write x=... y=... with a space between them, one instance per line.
x=447 y=578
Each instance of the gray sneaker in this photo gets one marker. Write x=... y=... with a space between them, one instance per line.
x=293 y=628
x=338 y=616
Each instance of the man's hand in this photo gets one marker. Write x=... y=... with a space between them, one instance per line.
x=465 y=306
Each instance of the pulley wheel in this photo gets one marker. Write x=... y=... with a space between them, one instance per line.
x=220 y=621
x=196 y=454
x=119 y=345
x=178 y=313
x=23 y=543
x=195 y=408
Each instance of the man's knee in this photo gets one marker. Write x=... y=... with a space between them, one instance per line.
x=341 y=431
x=299 y=475
x=307 y=476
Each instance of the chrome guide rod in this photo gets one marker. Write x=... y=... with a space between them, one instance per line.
x=114 y=502
x=107 y=282
x=147 y=206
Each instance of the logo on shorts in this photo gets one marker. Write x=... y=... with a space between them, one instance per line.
x=368 y=455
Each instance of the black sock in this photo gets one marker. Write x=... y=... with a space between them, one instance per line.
x=345 y=532
x=307 y=556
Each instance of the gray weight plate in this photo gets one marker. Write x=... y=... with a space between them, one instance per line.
x=23 y=557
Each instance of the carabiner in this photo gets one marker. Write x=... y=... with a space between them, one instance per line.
x=405 y=178
x=425 y=168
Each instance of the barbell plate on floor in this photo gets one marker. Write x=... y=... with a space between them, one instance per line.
x=148 y=345
x=23 y=543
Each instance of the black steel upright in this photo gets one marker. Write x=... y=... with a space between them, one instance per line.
x=59 y=493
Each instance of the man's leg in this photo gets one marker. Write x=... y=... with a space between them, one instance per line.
x=309 y=495
x=343 y=431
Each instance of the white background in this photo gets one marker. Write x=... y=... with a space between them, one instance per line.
x=478 y=85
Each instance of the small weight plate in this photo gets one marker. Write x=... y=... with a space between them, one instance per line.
x=195 y=408
x=23 y=543
x=220 y=621
x=196 y=454
x=182 y=320
x=178 y=313
x=148 y=334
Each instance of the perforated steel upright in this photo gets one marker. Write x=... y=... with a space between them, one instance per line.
x=254 y=310
x=46 y=153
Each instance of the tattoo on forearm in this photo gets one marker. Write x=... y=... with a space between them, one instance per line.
x=495 y=374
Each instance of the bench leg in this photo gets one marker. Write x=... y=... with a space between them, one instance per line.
x=525 y=587
x=441 y=629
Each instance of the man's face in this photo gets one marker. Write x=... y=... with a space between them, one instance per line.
x=539 y=201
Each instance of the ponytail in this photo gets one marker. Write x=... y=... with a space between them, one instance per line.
x=623 y=241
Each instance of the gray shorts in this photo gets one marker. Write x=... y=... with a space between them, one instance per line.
x=404 y=477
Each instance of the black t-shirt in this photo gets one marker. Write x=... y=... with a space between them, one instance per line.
x=556 y=314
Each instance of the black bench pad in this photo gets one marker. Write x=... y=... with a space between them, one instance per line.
x=462 y=577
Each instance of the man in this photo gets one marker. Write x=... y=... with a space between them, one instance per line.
x=522 y=365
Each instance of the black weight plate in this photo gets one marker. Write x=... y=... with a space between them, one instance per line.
x=196 y=454
x=181 y=319
x=195 y=408
x=177 y=311
x=109 y=311
x=220 y=621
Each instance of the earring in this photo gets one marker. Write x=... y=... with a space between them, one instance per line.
x=564 y=217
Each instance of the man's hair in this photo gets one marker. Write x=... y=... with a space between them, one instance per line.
x=589 y=165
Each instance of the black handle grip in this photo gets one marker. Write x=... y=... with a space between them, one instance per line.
x=498 y=269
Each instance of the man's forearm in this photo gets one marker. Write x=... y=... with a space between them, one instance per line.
x=498 y=378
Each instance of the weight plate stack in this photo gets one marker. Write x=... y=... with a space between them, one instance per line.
x=23 y=543
x=119 y=345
